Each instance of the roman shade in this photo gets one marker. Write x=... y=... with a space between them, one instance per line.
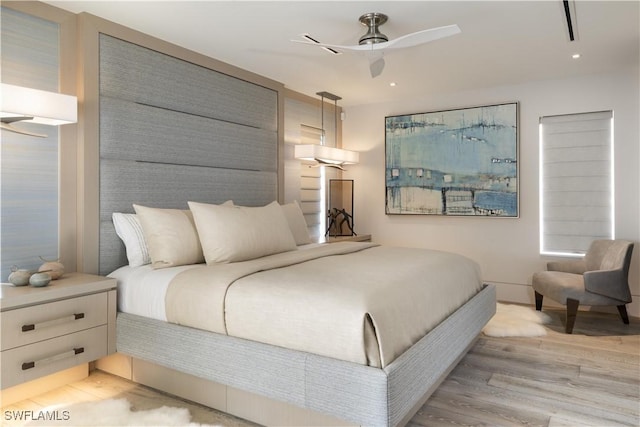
x=576 y=181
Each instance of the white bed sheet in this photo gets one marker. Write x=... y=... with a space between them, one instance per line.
x=142 y=290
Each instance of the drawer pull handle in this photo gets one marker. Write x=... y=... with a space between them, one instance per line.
x=34 y=326
x=33 y=364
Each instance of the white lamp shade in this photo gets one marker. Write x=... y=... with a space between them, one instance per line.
x=324 y=154
x=48 y=108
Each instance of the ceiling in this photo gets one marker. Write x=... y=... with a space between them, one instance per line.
x=502 y=42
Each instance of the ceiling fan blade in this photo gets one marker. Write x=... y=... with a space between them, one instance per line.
x=420 y=37
x=359 y=48
x=376 y=65
x=310 y=40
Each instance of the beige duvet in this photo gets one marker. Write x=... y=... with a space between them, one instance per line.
x=357 y=302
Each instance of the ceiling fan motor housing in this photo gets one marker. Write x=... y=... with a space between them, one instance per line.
x=372 y=21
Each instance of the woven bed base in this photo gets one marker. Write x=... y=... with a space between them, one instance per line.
x=355 y=393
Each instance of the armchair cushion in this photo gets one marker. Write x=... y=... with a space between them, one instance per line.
x=559 y=286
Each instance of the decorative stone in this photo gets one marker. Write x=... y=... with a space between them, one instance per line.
x=19 y=277
x=39 y=279
x=54 y=268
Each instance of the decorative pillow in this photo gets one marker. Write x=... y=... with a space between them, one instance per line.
x=171 y=236
x=129 y=229
x=297 y=223
x=240 y=233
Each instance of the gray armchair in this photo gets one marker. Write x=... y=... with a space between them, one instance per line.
x=600 y=278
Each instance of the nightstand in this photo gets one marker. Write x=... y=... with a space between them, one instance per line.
x=49 y=329
x=358 y=238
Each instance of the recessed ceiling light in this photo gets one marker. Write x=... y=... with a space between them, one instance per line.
x=392 y=84
x=575 y=56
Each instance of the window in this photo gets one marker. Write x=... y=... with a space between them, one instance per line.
x=576 y=182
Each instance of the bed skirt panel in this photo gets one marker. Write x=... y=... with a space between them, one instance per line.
x=344 y=389
x=356 y=393
x=414 y=373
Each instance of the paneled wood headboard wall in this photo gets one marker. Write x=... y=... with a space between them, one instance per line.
x=170 y=130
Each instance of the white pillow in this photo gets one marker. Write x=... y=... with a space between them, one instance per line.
x=171 y=236
x=129 y=229
x=240 y=233
x=297 y=223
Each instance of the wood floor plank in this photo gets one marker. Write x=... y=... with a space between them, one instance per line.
x=465 y=386
x=618 y=378
x=522 y=364
x=443 y=417
x=530 y=399
x=102 y=386
x=61 y=395
x=492 y=413
x=575 y=420
x=584 y=400
x=565 y=352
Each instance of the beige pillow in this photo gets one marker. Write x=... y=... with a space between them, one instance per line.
x=170 y=235
x=240 y=233
x=297 y=223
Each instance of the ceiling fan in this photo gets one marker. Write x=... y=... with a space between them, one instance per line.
x=374 y=43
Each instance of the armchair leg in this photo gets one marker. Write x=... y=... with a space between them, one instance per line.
x=538 y=300
x=622 y=309
x=572 y=311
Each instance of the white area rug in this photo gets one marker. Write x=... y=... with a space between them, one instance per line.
x=516 y=321
x=111 y=412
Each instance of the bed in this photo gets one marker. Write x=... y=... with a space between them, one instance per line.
x=378 y=374
x=359 y=331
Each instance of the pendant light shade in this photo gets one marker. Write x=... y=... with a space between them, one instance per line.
x=321 y=153
x=325 y=155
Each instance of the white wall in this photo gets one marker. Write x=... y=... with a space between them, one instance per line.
x=507 y=249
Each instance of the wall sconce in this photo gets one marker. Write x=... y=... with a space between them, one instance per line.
x=322 y=154
x=36 y=106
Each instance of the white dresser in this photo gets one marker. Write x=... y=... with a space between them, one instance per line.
x=45 y=330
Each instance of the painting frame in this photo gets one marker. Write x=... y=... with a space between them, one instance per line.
x=454 y=162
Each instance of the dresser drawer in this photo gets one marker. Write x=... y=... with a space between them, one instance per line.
x=29 y=325
x=46 y=357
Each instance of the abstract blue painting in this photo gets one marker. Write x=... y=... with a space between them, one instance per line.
x=453 y=162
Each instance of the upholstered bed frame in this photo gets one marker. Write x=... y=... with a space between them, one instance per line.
x=172 y=132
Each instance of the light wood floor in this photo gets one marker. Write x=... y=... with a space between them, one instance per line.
x=589 y=378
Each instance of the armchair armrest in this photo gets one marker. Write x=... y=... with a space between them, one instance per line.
x=610 y=283
x=575 y=266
